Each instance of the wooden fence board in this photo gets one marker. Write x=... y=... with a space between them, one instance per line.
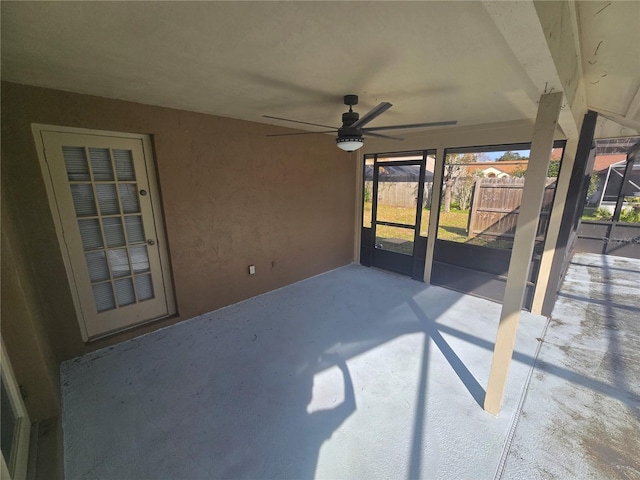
x=496 y=205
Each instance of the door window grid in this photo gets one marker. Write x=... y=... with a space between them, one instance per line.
x=102 y=201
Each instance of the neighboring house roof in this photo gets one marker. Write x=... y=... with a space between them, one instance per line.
x=556 y=154
x=603 y=162
x=493 y=172
x=504 y=167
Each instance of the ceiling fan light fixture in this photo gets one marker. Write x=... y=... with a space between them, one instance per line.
x=349 y=144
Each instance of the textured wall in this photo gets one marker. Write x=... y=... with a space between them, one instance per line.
x=231 y=197
x=33 y=360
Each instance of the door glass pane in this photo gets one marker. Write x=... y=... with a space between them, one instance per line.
x=124 y=164
x=135 y=230
x=424 y=221
x=107 y=199
x=397 y=193
x=129 y=197
x=144 y=287
x=124 y=291
x=75 y=160
x=428 y=190
x=103 y=295
x=113 y=232
x=97 y=265
x=101 y=164
x=83 y=200
x=139 y=259
x=119 y=262
x=395 y=239
x=90 y=233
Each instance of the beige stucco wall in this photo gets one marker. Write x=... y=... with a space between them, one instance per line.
x=231 y=197
x=23 y=328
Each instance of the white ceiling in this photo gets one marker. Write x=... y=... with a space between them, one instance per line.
x=432 y=60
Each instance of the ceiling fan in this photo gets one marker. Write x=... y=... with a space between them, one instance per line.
x=350 y=134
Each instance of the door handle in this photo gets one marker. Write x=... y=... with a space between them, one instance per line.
x=151 y=242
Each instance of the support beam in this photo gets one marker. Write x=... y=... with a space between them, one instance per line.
x=532 y=195
x=559 y=202
x=435 y=209
x=570 y=210
x=544 y=38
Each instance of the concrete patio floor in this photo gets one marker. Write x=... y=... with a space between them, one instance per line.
x=581 y=415
x=360 y=373
x=356 y=373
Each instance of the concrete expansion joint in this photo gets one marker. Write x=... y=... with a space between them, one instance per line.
x=518 y=412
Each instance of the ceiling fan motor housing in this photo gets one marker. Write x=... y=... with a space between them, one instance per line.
x=351 y=100
x=349 y=118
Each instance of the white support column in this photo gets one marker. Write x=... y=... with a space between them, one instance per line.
x=433 y=214
x=532 y=195
x=562 y=189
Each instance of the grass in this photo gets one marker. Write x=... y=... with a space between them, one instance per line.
x=452 y=227
x=589 y=214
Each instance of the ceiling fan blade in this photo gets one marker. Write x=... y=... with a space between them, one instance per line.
x=298 y=121
x=378 y=135
x=371 y=114
x=413 y=125
x=300 y=133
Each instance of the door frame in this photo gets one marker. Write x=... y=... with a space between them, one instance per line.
x=20 y=447
x=158 y=217
x=389 y=260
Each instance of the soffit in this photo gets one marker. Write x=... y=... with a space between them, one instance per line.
x=610 y=40
x=432 y=60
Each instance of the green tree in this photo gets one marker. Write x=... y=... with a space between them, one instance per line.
x=465 y=189
x=554 y=169
x=367 y=193
x=593 y=185
x=510 y=156
x=455 y=169
x=519 y=172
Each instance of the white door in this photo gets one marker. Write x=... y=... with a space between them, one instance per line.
x=110 y=226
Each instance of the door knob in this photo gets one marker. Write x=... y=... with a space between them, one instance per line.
x=151 y=242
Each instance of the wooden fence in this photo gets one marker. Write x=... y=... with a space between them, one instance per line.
x=496 y=204
x=399 y=194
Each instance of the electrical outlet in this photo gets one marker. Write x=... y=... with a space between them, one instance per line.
x=252 y=269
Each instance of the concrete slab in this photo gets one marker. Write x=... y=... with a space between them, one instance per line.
x=581 y=415
x=356 y=373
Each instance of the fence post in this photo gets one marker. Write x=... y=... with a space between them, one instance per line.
x=474 y=205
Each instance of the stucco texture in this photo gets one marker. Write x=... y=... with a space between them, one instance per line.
x=231 y=197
